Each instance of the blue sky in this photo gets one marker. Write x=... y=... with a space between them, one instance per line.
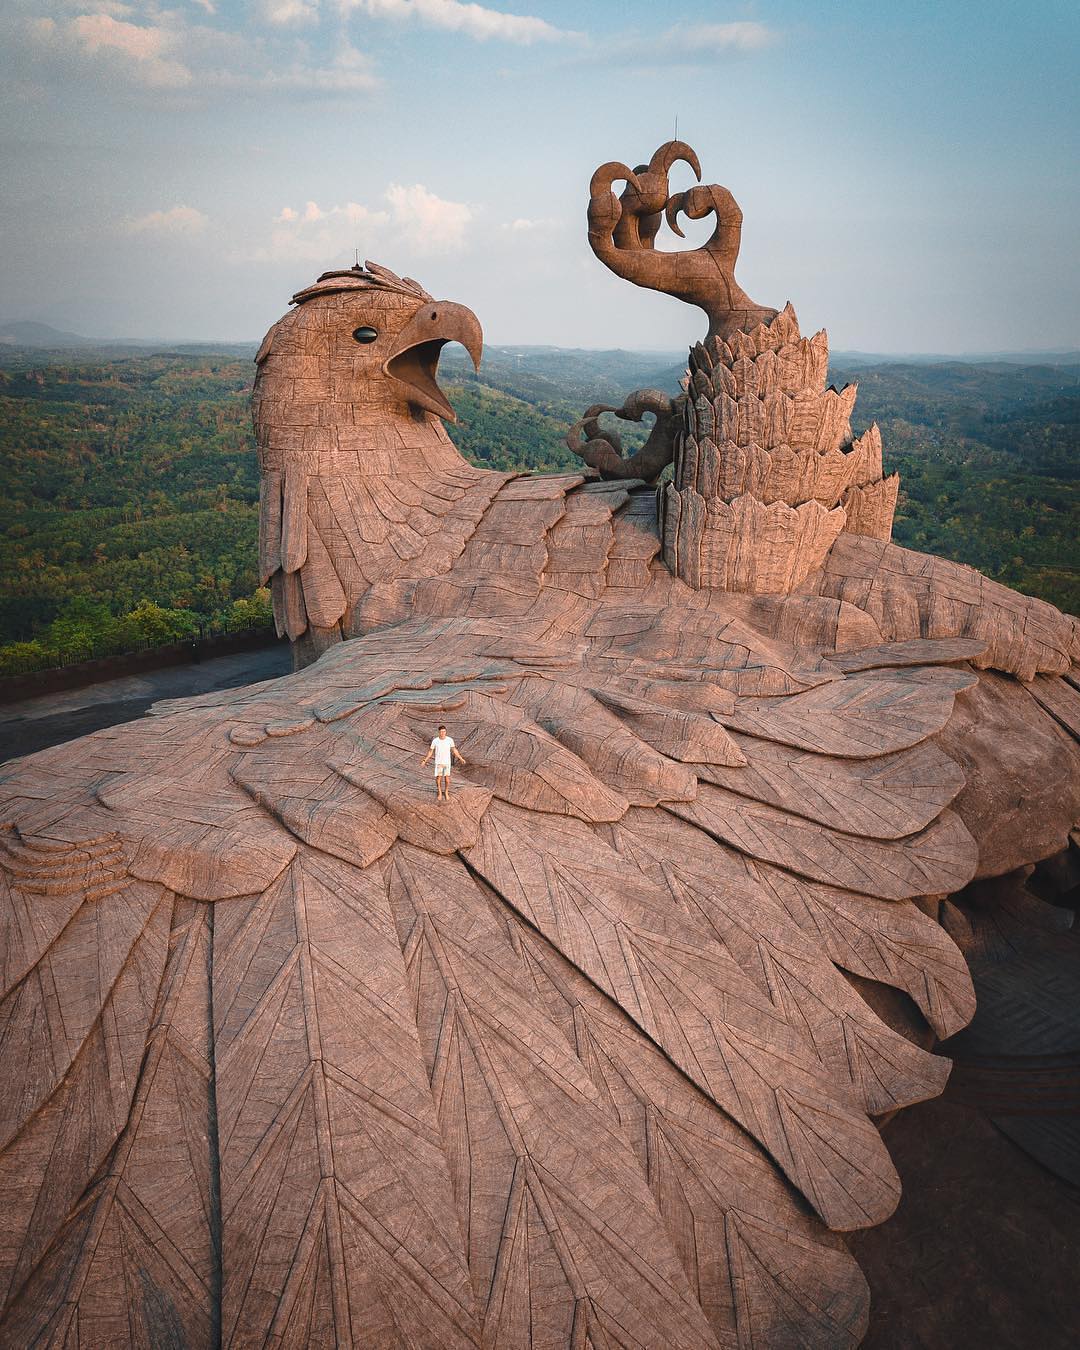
x=907 y=171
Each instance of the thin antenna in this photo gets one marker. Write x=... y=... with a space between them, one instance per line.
x=676 y=136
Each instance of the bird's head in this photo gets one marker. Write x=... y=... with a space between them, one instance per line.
x=360 y=345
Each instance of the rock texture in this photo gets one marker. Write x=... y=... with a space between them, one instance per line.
x=592 y=1054
x=360 y=485
x=347 y=1065
x=912 y=594
x=622 y=234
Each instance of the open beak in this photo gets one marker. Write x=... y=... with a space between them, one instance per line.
x=415 y=357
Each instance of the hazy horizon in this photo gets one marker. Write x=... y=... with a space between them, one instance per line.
x=908 y=176
x=93 y=341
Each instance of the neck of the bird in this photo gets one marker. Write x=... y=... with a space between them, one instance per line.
x=372 y=440
x=363 y=440
x=355 y=512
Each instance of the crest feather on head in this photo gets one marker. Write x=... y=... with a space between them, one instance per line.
x=372 y=276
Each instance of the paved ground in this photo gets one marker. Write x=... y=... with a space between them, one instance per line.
x=36 y=723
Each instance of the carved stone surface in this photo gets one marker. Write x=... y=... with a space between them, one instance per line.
x=361 y=486
x=295 y=1054
x=766 y=472
x=622 y=233
x=1021 y=794
x=602 y=449
x=914 y=595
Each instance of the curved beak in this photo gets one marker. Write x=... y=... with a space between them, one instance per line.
x=415 y=358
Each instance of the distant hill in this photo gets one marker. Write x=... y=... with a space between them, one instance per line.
x=533 y=366
x=27 y=333
x=1052 y=356
x=132 y=477
x=22 y=341
x=556 y=374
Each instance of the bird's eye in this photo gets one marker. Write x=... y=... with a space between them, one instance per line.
x=365 y=335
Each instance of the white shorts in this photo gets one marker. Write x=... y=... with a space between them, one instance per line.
x=442 y=770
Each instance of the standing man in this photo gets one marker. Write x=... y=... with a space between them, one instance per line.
x=442 y=747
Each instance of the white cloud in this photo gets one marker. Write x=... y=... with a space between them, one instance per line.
x=692 y=44
x=429 y=223
x=147 y=50
x=743 y=36
x=320 y=235
x=351 y=71
x=118 y=9
x=313 y=212
x=282 y=13
x=177 y=220
x=173 y=54
x=523 y=225
x=101 y=30
x=457 y=16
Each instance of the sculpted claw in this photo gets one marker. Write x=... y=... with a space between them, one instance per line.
x=622 y=233
x=602 y=449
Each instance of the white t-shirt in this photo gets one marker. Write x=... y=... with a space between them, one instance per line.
x=442 y=745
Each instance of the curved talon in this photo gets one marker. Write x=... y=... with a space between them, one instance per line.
x=589 y=424
x=643 y=401
x=671 y=213
x=672 y=153
x=593 y=430
x=649 y=228
x=611 y=438
x=701 y=200
x=602 y=449
x=606 y=174
x=605 y=209
x=698 y=202
x=598 y=453
x=622 y=232
x=642 y=203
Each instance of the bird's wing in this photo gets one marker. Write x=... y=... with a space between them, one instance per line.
x=571 y=1057
x=107 y=1045
x=327 y=540
x=914 y=595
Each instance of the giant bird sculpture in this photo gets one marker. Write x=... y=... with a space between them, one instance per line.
x=593 y=1054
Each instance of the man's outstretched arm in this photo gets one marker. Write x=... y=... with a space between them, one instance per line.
x=458 y=755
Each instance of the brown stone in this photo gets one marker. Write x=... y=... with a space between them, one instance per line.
x=592 y=1053
x=622 y=231
x=1021 y=793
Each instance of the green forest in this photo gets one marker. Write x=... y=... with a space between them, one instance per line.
x=989 y=463
x=129 y=515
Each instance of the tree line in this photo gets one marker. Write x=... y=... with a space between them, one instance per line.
x=130 y=511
